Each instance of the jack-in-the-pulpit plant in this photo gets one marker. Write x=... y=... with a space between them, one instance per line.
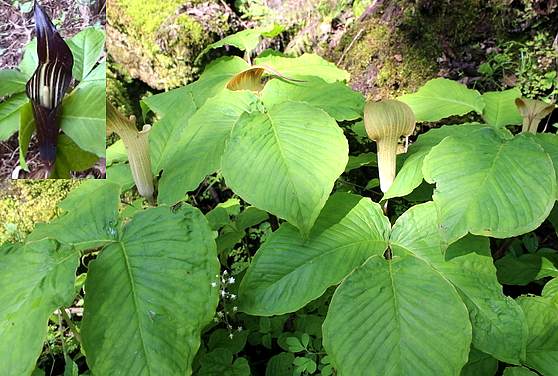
x=48 y=85
x=388 y=122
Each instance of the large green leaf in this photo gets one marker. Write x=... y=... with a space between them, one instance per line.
x=197 y=152
x=36 y=279
x=116 y=153
x=337 y=99
x=246 y=40
x=167 y=103
x=542 y=346
x=87 y=47
x=523 y=269
x=215 y=77
x=97 y=75
x=91 y=213
x=305 y=65
x=410 y=175
x=550 y=288
x=479 y=364
x=498 y=322
x=500 y=108
x=165 y=133
x=440 y=98
x=490 y=186
x=212 y=81
x=69 y=157
x=286 y=160
x=174 y=108
x=121 y=174
x=289 y=271
x=549 y=142
x=149 y=295
x=9 y=115
x=11 y=81
x=26 y=129
x=397 y=317
x=30 y=59
x=83 y=118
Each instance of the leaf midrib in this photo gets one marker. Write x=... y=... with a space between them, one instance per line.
x=135 y=301
x=284 y=159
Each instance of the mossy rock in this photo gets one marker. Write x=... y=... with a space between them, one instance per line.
x=157 y=41
x=117 y=79
x=397 y=45
x=24 y=203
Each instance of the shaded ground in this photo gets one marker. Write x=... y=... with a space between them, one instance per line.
x=16 y=31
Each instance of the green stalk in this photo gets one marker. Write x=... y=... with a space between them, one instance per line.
x=137 y=146
x=387 y=152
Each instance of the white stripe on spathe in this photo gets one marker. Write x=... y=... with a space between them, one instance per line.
x=47 y=86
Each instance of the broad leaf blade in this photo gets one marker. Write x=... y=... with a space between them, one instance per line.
x=246 y=40
x=542 y=347
x=197 y=152
x=159 y=276
x=441 y=98
x=69 y=157
x=83 y=118
x=337 y=99
x=479 y=364
x=305 y=65
x=289 y=271
x=26 y=128
x=378 y=322
x=87 y=47
x=90 y=216
x=12 y=81
x=297 y=150
x=36 y=279
x=9 y=115
x=410 y=175
x=500 y=108
x=498 y=323
x=490 y=186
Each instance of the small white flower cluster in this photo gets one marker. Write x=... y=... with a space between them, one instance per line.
x=226 y=298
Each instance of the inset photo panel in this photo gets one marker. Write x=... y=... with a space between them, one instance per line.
x=52 y=89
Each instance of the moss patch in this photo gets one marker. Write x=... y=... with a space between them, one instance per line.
x=157 y=41
x=398 y=46
x=24 y=203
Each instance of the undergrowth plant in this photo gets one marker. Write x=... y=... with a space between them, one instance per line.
x=411 y=294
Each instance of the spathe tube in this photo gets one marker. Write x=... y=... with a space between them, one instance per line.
x=49 y=83
x=137 y=147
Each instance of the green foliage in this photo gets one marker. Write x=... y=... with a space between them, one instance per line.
x=83 y=111
x=246 y=40
x=530 y=65
x=338 y=284
x=38 y=278
x=157 y=253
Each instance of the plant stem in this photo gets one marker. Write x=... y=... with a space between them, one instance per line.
x=387 y=153
x=71 y=324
